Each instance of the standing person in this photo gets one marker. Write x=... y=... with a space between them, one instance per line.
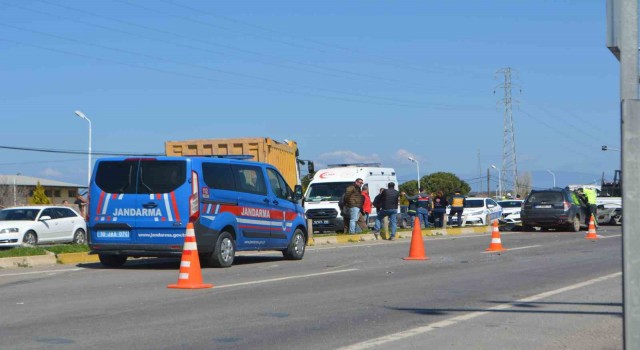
x=81 y=202
x=457 y=207
x=591 y=195
x=353 y=201
x=389 y=201
x=366 y=204
x=376 y=201
x=412 y=207
x=439 y=209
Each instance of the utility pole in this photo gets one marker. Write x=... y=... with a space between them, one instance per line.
x=622 y=40
x=479 y=170
x=509 y=169
x=488 y=183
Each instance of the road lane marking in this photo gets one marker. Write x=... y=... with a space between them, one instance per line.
x=516 y=248
x=454 y=320
x=283 y=278
x=611 y=236
x=35 y=272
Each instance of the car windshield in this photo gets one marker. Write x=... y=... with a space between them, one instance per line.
x=510 y=204
x=328 y=191
x=474 y=203
x=18 y=214
x=546 y=197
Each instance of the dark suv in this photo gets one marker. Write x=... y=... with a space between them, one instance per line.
x=553 y=208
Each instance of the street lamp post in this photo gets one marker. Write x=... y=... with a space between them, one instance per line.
x=554 y=177
x=81 y=115
x=418 y=169
x=15 y=196
x=499 y=181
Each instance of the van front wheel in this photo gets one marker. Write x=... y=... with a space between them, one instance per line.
x=224 y=251
x=296 y=248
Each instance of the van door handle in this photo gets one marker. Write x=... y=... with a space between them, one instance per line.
x=275 y=202
x=150 y=205
x=266 y=200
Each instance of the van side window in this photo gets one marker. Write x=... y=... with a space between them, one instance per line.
x=278 y=185
x=218 y=176
x=161 y=177
x=249 y=179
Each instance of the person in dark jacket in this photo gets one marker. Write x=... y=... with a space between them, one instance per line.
x=353 y=201
x=439 y=209
x=422 y=206
x=389 y=201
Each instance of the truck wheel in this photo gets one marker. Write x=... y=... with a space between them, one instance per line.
x=112 y=260
x=297 y=246
x=224 y=252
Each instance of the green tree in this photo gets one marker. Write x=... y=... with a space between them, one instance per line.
x=39 y=197
x=445 y=182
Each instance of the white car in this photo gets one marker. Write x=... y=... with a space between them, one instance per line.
x=32 y=225
x=511 y=211
x=479 y=211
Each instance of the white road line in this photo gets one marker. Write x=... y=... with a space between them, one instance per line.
x=603 y=237
x=516 y=248
x=35 y=272
x=454 y=320
x=282 y=279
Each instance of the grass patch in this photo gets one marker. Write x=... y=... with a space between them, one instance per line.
x=22 y=251
x=68 y=248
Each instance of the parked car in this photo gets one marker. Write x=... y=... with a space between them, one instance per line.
x=557 y=208
x=609 y=214
x=511 y=212
x=478 y=211
x=31 y=225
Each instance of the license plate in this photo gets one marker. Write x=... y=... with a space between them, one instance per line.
x=545 y=206
x=112 y=234
x=321 y=222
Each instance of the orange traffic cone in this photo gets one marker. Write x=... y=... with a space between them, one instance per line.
x=496 y=243
x=190 y=276
x=416 y=251
x=591 y=234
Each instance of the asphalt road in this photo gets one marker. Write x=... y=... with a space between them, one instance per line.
x=550 y=290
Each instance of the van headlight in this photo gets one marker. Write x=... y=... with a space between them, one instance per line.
x=9 y=230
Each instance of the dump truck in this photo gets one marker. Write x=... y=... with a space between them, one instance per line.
x=282 y=155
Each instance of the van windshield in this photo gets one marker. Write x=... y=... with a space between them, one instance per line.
x=328 y=191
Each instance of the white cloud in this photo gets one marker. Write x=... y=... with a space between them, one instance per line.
x=338 y=157
x=49 y=172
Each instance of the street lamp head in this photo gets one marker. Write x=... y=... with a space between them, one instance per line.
x=411 y=159
x=81 y=115
x=493 y=166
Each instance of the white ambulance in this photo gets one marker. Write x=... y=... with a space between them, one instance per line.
x=328 y=185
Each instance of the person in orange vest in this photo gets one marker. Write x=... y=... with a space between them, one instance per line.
x=457 y=207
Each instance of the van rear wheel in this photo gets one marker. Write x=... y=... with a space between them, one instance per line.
x=223 y=253
x=112 y=260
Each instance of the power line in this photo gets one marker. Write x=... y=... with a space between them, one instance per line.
x=100 y=153
x=209 y=42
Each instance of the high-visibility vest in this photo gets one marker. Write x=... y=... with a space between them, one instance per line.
x=457 y=201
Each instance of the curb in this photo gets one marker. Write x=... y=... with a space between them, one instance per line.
x=362 y=237
x=28 y=261
x=77 y=258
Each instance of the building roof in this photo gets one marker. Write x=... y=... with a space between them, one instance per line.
x=22 y=180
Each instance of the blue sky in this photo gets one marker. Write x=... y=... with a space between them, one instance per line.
x=350 y=81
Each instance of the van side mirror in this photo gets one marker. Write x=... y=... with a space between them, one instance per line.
x=297 y=192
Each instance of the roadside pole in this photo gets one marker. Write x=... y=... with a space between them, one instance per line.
x=622 y=40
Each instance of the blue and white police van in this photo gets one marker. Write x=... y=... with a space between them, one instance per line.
x=140 y=207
